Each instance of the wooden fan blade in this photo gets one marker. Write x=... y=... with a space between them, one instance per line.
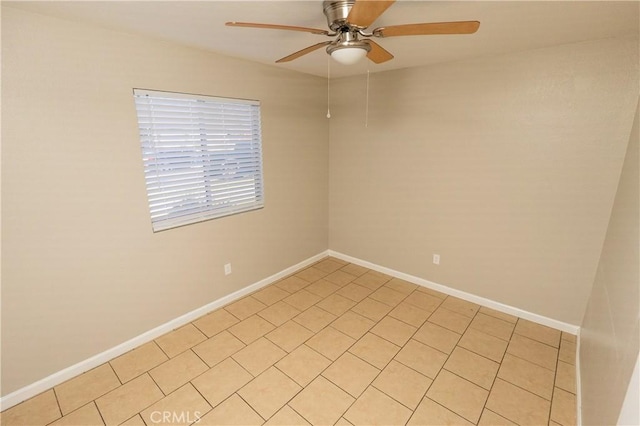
x=377 y=54
x=364 y=12
x=277 y=27
x=303 y=52
x=461 y=27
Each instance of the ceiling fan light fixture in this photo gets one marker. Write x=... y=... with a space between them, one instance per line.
x=347 y=19
x=349 y=53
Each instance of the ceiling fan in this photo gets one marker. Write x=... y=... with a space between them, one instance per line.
x=348 y=20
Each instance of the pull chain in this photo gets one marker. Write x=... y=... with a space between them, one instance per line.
x=328 y=86
x=366 y=115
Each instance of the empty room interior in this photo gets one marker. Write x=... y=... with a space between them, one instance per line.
x=438 y=223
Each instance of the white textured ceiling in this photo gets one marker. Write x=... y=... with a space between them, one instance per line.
x=506 y=26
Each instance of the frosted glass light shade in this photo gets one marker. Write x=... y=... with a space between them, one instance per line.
x=349 y=55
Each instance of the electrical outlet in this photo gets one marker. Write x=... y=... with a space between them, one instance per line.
x=436 y=259
x=227 y=268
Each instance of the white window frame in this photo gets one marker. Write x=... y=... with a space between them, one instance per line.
x=202 y=156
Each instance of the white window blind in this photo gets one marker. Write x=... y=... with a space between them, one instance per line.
x=202 y=156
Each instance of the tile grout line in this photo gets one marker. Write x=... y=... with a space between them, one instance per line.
x=355 y=398
x=389 y=362
x=520 y=387
x=229 y=396
x=146 y=372
x=58 y=403
x=297 y=412
x=449 y=356
x=302 y=388
x=401 y=347
x=95 y=404
x=498 y=372
x=555 y=376
x=247 y=402
x=536 y=340
x=199 y=393
x=531 y=362
x=332 y=362
x=417 y=328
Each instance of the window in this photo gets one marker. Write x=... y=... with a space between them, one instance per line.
x=202 y=156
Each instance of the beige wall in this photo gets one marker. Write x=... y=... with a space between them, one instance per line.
x=609 y=340
x=505 y=166
x=82 y=271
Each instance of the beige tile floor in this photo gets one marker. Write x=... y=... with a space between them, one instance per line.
x=335 y=343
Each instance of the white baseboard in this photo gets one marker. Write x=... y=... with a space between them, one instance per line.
x=55 y=379
x=549 y=322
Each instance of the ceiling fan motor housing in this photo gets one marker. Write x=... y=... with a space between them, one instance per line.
x=336 y=12
x=347 y=20
x=348 y=39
